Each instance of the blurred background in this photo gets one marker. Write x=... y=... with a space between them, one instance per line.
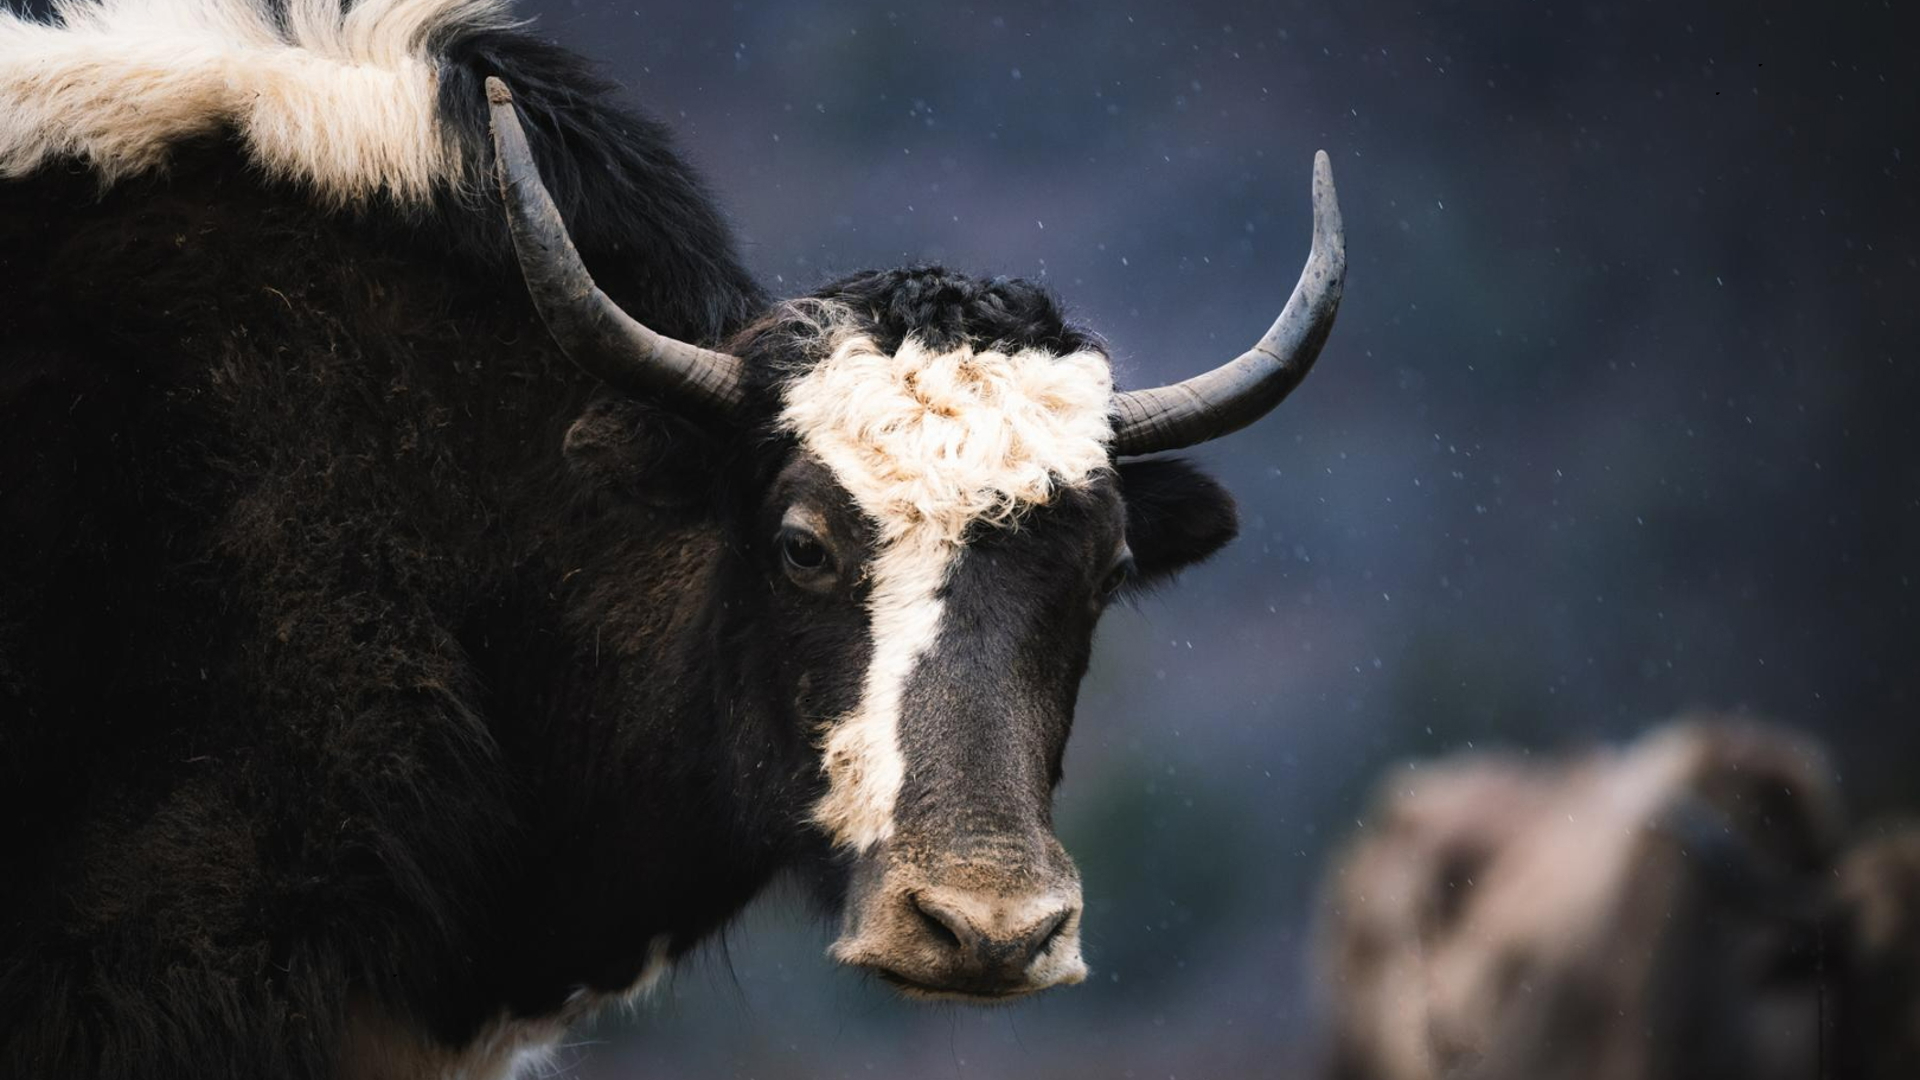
x=1619 y=420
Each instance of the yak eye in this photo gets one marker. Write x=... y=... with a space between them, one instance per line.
x=802 y=552
x=1122 y=571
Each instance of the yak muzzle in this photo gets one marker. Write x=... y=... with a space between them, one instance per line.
x=975 y=930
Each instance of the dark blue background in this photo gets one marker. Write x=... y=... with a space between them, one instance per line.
x=1617 y=421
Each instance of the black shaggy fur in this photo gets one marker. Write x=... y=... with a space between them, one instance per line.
x=945 y=309
x=356 y=650
x=280 y=533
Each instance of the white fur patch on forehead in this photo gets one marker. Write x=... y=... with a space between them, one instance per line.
x=935 y=441
x=343 y=101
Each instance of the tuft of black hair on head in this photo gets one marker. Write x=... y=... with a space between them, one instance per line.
x=945 y=309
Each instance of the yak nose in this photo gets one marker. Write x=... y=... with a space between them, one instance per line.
x=993 y=939
x=938 y=941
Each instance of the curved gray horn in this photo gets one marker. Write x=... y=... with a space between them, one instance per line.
x=1230 y=397
x=588 y=325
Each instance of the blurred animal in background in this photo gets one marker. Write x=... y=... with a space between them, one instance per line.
x=1878 y=901
x=1681 y=908
x=410 y=641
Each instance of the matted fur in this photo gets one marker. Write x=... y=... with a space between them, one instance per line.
x=931 y=444
x=343 y=101
x=940 y=441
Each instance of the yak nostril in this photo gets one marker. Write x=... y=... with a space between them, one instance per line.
x=935 y=923
x=1048 y=934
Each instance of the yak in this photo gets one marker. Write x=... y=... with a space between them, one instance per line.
x=1877 y=901
x=1686 y=907
x=411 y=641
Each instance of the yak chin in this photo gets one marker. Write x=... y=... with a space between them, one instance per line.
x=1063 y=966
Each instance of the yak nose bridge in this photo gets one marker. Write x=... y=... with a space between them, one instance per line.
x=980 y=744
x=992 y=821
x=974 y=852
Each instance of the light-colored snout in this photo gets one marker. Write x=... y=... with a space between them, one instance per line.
x=995 y=941
x=981 y=933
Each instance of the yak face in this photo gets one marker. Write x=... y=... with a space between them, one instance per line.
x=939 y=472
x=936 y=470
x=940 y=529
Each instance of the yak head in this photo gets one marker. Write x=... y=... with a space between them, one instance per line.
x=941 y=505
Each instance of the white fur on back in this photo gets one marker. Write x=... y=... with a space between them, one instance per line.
x=344 y=102
x=929 y=443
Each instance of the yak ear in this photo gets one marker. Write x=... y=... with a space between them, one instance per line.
x=1176 y=516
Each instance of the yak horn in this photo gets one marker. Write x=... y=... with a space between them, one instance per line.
x=589 y=327
x=1230 y=397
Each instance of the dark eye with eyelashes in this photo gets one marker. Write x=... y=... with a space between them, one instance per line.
x=803 y=552
x=807 y=555
x=807 y=560
x=1117 y=576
